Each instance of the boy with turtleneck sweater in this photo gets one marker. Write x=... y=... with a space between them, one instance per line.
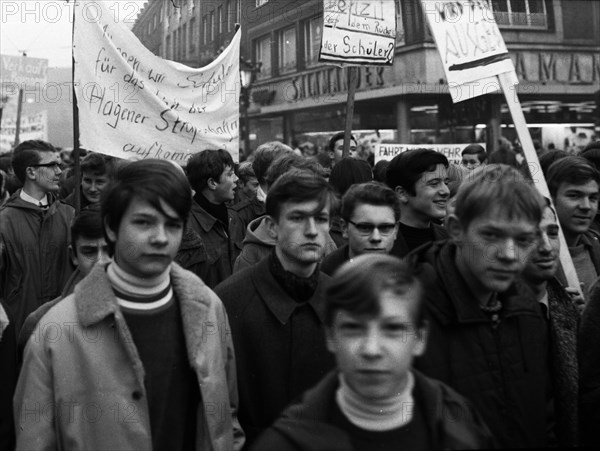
x=420 y=179
x=375 y=326
x=143 y=359
x=276 y=307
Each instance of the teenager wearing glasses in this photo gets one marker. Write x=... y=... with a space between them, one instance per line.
x=34 y=233
x=369 y=217
x=420 y=179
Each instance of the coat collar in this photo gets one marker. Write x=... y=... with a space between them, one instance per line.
x=205 y=219
x=278 y=301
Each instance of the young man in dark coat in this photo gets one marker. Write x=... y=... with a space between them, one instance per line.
x=487 y=340
x=275 y=308
x=369 y=218
x=420 y=179
x=376 y=400
x=214 y=232
x=34 y=233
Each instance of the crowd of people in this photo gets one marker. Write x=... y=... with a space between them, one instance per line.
x=298 y=300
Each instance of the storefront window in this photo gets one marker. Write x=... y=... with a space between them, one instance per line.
x=520 y=13
x=287 y=50
x=263 y=54
x=312 y=40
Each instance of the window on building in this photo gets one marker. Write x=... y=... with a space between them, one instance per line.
x=183 y=38
x=192 y=35
x=211 y=25
x=261 y=2
x=287 y=50
x=520 y=13
x=262 y=50
x=227 y=18
x=204 y=29
x=313 y=30
x=169 y=54
x=220 y=19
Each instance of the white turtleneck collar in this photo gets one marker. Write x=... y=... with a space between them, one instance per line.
x=379 y=415
x=135 y=292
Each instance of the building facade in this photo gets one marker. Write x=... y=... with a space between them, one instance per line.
x=554 y=44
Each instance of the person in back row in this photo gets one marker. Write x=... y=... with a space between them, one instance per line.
x=275 y=307
x=143 y=367
x=473 y=156
x=488 y=340
x=370 y=213
x=574 y=186
x=96 y=172
x=375 y=327
x=420 y=179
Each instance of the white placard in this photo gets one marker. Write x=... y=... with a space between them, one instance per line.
x=135 y=105
x=471 y=47
x=451 y=151
x=33 y=126
x=359 y=32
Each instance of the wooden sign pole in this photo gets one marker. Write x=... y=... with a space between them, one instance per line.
x=512 y=100
x=352 y=72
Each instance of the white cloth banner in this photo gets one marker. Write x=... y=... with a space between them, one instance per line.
x=135 y=105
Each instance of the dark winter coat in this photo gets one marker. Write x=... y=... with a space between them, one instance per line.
x=306 y=426
x=401 y=249
x=589 y=370
x=34 y=262
x=501 y=369
x=279 y=344
x=248 y=210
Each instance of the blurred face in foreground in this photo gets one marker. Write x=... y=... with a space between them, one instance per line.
x=375 y=354
x=544 y=260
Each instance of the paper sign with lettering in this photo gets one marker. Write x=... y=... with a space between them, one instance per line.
x=33 y=126
x=472 y=49
x=358 y=32
x=135 y=105
x=451 y=151
x=23 y=70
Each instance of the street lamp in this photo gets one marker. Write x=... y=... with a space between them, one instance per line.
x=247 y=71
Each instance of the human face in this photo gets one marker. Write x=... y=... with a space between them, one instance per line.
x=250 y=188
x=375 y=241
x=92 y=186
x=338 y=150
x=375 y=354
x=430 y=199
x=88 y=251
x=301 y=233
x=147 y=240
x=225 y=188
x=492 y=250
x=47 y=178
x=470 y=161
x=544 y=259
x=576 y=207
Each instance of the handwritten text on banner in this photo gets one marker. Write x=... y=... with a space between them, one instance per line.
x=358 y=32
x=135 y=105
x=472 y=49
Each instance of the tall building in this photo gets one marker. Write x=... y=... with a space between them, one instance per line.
x=554 y=44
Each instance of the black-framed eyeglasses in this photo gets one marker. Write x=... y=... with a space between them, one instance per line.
x=54 y=165
x=366 y=228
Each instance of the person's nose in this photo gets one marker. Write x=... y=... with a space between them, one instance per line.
x=507 y=249
x=544 y=245
x=371 y=345
x=311 y=227
x=375 y=236
x=160 y=235
x=585 y=204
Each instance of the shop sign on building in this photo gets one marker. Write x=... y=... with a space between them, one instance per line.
x=135 y=105
x=450 y=151
x=471 y=47
x=23 y=70
x=358 y=32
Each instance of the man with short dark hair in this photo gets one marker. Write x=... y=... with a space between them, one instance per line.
x=95 y=177
x=369 y=215
x=34 y=232
x=219 y=228
x=336 y=147
x=275 y=307
x=145 y=349
x=420 y=179
x=473 y=156
x=574 y=185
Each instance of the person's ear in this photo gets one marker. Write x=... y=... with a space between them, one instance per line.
x=272 y=227
x=454 y=228
x=73 y=256
x=402 y=194
x=30 y=173
x=211 y=184
x=111 y=234
x=422 y=336
x=344 y=225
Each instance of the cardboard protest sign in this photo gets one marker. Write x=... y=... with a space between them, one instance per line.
x=135 y=105
x=23 y=70
x=451 y=151
x=472 y=49
x=33 y=126
x=358 y=32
